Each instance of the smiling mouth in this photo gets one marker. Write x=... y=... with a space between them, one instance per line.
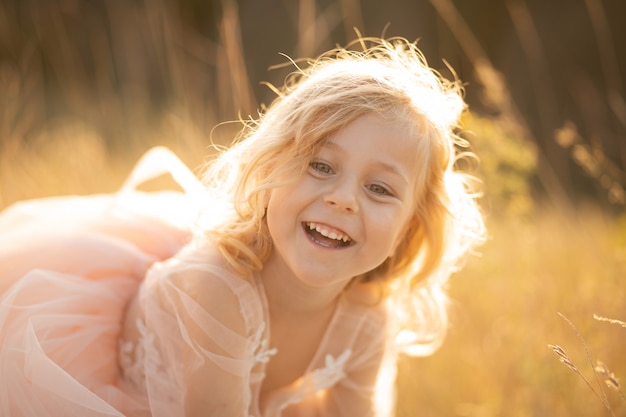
x=327 y=238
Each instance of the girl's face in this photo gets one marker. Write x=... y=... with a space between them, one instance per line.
x=348 y=213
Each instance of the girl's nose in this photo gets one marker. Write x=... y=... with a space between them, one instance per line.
x=343 y=196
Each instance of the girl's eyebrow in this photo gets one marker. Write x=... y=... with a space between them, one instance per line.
x=392 y=169
x=385 y=166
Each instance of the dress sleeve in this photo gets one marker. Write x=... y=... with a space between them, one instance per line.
x=200 y=321
x=369 y=386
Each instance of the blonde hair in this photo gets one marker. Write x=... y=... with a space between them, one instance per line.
x=390 y=78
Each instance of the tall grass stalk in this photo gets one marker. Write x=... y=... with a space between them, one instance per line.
x=600 y=394
x=497 y=95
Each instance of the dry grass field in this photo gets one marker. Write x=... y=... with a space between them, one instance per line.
x=496 y=360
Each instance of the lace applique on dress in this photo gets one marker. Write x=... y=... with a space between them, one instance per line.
x=260 y=346
x=321 y=378
x=131 y=358
x=332 y=373
x=142 y=358
x=261 y=354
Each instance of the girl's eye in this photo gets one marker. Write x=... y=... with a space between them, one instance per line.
x=379 y=189
x=321 y=167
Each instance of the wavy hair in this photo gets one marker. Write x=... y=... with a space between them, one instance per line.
x=390 y=78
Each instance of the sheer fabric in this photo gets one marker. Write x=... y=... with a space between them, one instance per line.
x=109 y=307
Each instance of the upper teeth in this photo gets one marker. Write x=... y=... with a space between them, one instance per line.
x=327 y=233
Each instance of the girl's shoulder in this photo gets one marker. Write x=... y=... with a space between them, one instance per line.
x=366 y=307
x=199 y=278
x=369 y=296
x=199 y=262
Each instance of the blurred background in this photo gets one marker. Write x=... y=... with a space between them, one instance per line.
x=87 y=86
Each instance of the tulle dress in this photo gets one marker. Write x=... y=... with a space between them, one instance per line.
x=70 y=267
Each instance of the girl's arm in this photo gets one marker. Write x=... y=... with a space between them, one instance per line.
x=214 y=358
x=201 y=331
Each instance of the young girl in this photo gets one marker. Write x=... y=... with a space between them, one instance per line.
x=316 y=251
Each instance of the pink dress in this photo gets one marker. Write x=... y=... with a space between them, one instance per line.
x=70 y=266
